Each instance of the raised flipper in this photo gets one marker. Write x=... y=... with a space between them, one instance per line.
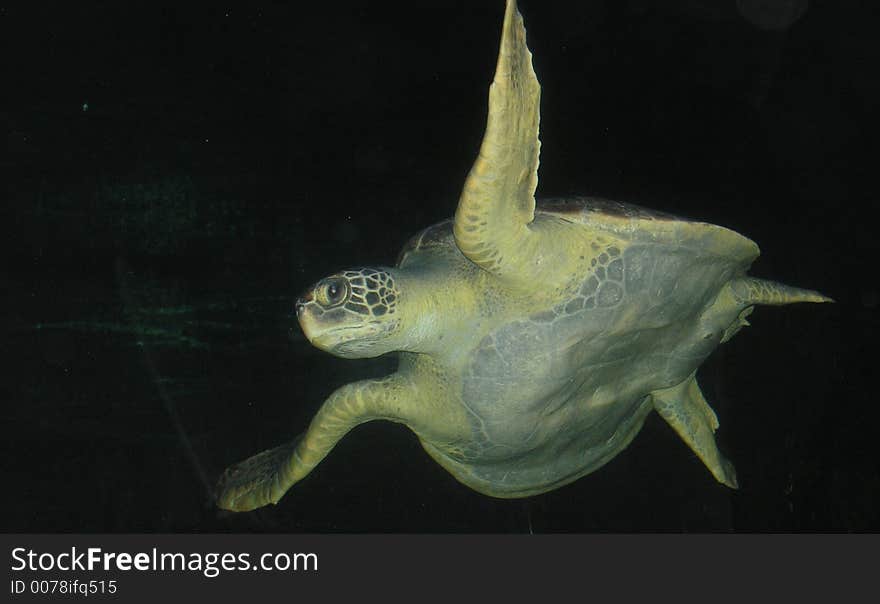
x=498 y=200
x=686 y=410
x=265 y=477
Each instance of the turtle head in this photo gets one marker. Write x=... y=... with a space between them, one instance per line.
x=353 y=313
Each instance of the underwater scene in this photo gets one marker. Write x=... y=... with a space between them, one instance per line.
x=178 y=179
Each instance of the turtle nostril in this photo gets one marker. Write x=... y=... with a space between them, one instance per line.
x=300 y=308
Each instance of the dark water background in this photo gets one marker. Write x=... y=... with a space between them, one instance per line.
x=175 y=176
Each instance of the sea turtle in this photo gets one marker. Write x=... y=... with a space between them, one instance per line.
x=533 y=341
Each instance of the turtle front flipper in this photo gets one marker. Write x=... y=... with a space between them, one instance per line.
x=498 y=200
x=685 y=409
x=267 y=476
x=256 y=481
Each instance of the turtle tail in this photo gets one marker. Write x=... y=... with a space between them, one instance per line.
x=750 y=290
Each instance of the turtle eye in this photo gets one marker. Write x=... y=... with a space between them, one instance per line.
x=332 y=292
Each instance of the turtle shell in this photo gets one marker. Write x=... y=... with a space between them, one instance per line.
x=629 y=221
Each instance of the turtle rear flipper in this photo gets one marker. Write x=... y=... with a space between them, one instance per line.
x=686 y=410
x=258 y=480
x=752 y=290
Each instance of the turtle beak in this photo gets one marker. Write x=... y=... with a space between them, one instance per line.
x=306 y=314
x=301 y=302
